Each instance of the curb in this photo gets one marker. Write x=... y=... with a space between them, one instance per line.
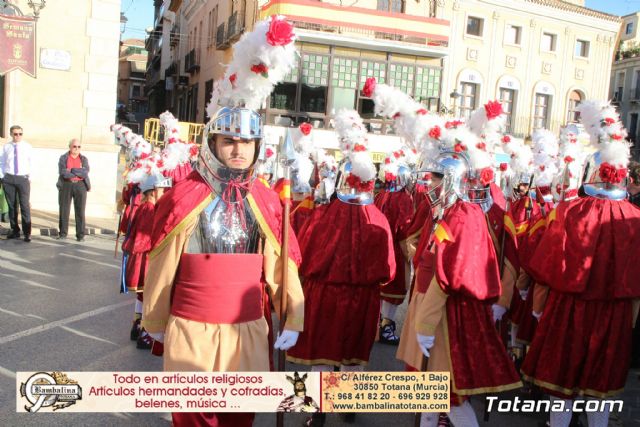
x=53 y=232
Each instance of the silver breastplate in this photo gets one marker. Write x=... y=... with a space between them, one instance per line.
x=223 y=229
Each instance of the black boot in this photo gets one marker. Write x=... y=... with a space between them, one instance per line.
x=135 y=330
x=388 y=332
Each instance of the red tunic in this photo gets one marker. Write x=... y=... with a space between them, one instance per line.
x=138 y=245
x=301 y=211
x=131 y=197
x=347 y=252
x=398 y=208
x=588 y=258
x=466 y=269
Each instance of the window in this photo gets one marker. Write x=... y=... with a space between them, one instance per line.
x=629 y=28
x=508 y=100
x=574 y=100
x=512 y=34
x=637 y=91
x=548 y=42
x=541 y=111
x=617 y=96
x=474 y=26
x=633 y=127
x=468 y=100
x=135 y=91
x=582 y=48
x=396 y=6
x=208 y=92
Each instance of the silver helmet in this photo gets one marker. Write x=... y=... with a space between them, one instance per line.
x=595 y=186
x=235 y=122
x=361 y=194
x=155 y=180
x=454 y=169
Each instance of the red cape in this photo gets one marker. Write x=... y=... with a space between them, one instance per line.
x=591 y=248
x=139 y=238
x=191 y=195
x=466 y=262
x=345 y=243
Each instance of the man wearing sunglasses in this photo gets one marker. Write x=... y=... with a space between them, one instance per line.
x=73 y=184
x=15 y=167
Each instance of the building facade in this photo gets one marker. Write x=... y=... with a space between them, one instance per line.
x=76 y=98
x=624 y=89
x=133 y=106
x=539 y=57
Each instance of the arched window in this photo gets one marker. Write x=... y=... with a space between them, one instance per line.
x=575 y=98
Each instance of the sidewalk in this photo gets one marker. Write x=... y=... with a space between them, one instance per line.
x=46 y=224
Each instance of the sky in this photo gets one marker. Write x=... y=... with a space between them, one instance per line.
x=614 y=7
x=139 y=15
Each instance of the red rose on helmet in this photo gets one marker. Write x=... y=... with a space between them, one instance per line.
x=359 y=147
x=622 y=174
x=493 y=109
x=260 y=69
x=369 y=87
x=486 y=176
x=608 y=173
x=305 y=128
x=280 y=32
x=506 y=139
x=504 y=167
x=353 y=181
x=459 y=147
x=568 y=159
x=422 y=112
x=232 y=79
x=268 y=152
x=193 y=150
x=395 y=116
x=609 y=120
x=481 y=146
x=387 y=161
x=435 y=132
x=616 y=136
x=397 y=154
x=388 y=176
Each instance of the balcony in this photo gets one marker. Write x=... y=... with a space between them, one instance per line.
x=191 y=62
x=222 y=42
x=171 y=70
x=360 y=27
x=174 y=36
x=235 y=26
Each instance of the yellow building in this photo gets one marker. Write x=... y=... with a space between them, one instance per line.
x=540 y=57
x=399 y=42
x=72 y=96
x=625 y=77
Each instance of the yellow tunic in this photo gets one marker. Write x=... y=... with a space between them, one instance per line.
x=198 y=346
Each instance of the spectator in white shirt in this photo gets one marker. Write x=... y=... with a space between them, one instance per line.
x=15 y=168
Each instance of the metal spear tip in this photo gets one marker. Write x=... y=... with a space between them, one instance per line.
x=288 y=151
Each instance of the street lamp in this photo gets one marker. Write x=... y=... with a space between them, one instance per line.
x=37 y=6
x=454 y=97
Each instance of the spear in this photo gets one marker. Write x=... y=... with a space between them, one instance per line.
x=287 y=159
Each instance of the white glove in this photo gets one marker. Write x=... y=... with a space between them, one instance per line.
x=425 y=342
x=498 y=312
x=523 y=294
x=286 y=340
x=536 y=315
x=158 y=336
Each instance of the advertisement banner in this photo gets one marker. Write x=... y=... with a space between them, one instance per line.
x=17 y=44
x=63 y=392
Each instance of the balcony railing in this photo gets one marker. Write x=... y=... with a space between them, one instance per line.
x=235 y=25
x=191 y=62
x=361 y=22
x=222 y=42
x=174 y=36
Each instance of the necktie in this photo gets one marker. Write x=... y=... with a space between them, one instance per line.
x=15 y=159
